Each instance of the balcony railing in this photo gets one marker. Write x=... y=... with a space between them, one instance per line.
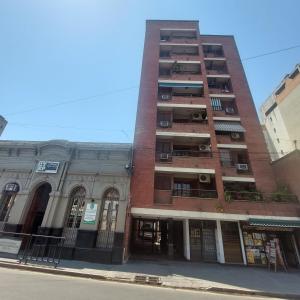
x=258 y=196
x=167 y=157
x=196 y=193
x=219 y=90
x=213 y=54
x=238 y=167
x=216 y=71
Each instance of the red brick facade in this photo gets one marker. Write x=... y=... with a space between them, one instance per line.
x=142 y=183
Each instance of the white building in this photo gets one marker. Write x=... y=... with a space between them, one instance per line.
x=280 y=116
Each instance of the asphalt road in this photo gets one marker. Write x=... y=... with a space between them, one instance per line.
x=25 y=285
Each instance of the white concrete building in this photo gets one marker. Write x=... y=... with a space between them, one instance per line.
x=280 y=116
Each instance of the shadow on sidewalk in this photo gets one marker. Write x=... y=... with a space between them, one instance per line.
x=252 y=278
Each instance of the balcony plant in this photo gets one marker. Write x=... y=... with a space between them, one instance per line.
x=219 y=207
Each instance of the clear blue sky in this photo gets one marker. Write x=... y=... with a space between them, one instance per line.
x=54 y=51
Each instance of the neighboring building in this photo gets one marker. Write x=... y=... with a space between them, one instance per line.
x=3 y=124
x=280 y=116
x=202 y=178
x=287 y=172
x=46 y=187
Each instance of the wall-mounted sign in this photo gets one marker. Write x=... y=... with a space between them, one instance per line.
x=90 y=213
x=12 y=187
x=47 y=167
x=11 y=246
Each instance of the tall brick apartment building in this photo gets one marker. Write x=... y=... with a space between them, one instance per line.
x=202 y=186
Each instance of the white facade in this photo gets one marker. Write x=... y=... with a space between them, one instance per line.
x=3 y=124
x=280 y=116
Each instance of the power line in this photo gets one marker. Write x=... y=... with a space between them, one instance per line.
x=270 y=53
x=70 y=127
x=73 y=101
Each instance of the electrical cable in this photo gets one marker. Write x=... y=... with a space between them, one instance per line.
x=270 y=53
x=73 y=101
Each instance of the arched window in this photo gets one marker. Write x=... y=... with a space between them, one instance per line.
x=8 y=195
x=74 y=215
x=108 y=220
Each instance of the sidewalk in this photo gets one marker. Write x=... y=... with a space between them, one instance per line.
x=186 y=275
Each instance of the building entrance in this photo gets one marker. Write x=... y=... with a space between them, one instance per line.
x=37 y=209
x=162 y=238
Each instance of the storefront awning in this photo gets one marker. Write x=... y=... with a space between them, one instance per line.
x=180 y=84
x=274 y=223
x=229 y=127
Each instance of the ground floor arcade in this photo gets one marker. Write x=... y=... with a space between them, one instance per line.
x=214 y=237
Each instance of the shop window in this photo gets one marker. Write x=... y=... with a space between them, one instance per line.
x=108 y=220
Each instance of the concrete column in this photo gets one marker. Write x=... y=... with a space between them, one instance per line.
x=186 y=239
x=50 y=210
x=296 y=249
x=170 y=239
x=219 y=243
x=16 y=214
x=242 y=244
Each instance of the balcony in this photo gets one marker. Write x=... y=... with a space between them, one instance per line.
x=178 y=36
x=213 y=51
x=182 y=119
x=219 y=85
x=230 y=137
x=179 y=70
x=258 y=196
x=235 y=162
x=187 y=93
x=174 y=186
x=216 y=67
x=179 y=52
x=183 y=154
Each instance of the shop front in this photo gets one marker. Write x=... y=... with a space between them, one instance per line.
x=260 y=236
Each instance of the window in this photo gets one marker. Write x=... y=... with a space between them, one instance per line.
x=278 y=141
x=216 y=104
x=76 y=209
x=271 y=119
x=281 y=151
x=108 y=220
x=274 y=130
x=9 y=193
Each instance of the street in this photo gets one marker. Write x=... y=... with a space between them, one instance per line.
x=23 y=285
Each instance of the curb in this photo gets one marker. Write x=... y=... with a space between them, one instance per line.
x=129 y=281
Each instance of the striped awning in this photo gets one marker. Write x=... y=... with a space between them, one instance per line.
x=180 y=84
x=274 y=223
x=229 y=126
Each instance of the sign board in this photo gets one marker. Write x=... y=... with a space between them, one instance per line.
x=11 y=246
x=90 y=213
x=12 y=187
x=47 y=167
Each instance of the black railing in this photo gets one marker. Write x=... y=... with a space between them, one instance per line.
x=258 y=196
x=197 y=193
x=35 y=248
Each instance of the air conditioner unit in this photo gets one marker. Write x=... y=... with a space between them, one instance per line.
x=199 y=116
x=205 y=178
x=204 y=148
x=164 y=156
x=235 y=135
x=165 y=97
x=164 y=124
x=242 y=167
x=229 y=110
